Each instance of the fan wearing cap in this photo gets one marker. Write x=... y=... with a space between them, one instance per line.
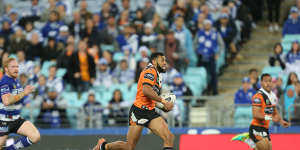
x=103 y=74
x=63 y=35
x=148 y=38
x=244 y=94
x=6 y=30
x=207 y=46
x=292 y=24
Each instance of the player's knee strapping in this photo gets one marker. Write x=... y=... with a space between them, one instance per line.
x=20 y=143
x=168 y=148
x=102 y=147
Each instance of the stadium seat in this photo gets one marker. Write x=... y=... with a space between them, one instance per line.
x=118 y=56
x=107 y=47
x=45 y=67
x=61 y=72
x=288 y=38
x=242 y=116
x=273 y=71
x=73 y=107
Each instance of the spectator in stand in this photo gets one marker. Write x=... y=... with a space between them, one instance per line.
x=245 y=93
x=253 y=75
x=148 y=38
x=273 y=14
x=41 y=88
x=128 y=38
x=178 y=9
x=141 y=64
x=138 y=21
x=3 y=47
x=103 y=75
x=98 y=22
x=76 y=25
x=23 y=78
x=129 y=56
x=53 y=81
x=169 y=75
x=29 y=30
x=278 y=91
x=52 y=50
x=113 y=7
x=290 y=94
x=90 y=33
x=122 y=74
x=226 y=27
x=292 y=24
x=110 y=32
x=207 y=46
x=82 y=68
x=6 y=31
x=179 y=88
x=116 y=108
x=53 y=109
x=296 y=115
x=108 y=56
x=185 y=37
x=92 y=112
x=148 y=11
x=105 y=12
x=174 y=52
x=124 y=18
x=63 y=35
x=14 y=19
x=294 y=54
x=17 y=42
x=159 y=26
x=61 y=9
x=35 y=49
x=51 y=28
x=36 y=10
x=277 y=56
x=64 y=58
x=51 y=6
x=25 y=66
x=83 y=10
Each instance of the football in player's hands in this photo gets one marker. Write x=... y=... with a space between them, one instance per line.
x=170 y=97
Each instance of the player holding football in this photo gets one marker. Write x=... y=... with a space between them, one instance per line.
x=11 y=101
x=263 y=110
x=142 y=113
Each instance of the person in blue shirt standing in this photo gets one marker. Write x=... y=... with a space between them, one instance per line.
x=11 y=101
x=207 y=46
x=245 y=93
x=292 y=24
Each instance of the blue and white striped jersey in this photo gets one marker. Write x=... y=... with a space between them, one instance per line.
x=12 y=86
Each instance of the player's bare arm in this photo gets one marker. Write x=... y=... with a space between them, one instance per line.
x=151 y=94
x=9 y=99
x=256 y=112
x=277 y=118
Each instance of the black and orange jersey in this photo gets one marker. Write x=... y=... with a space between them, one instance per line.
x=267 y=107
x=148 y=76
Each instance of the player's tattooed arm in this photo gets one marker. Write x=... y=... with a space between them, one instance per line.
x=257 y=114
x=9 y=99
x=151 y=94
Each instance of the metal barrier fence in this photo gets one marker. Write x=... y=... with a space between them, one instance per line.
x=203 y=111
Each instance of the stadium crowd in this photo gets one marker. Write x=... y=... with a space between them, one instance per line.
x=97 y=49
x=284 y=68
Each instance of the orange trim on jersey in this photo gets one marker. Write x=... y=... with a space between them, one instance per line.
x=148 y=76
x=262 y=104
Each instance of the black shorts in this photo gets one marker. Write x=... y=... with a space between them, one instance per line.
x=142 y=117
x=257 y=133
x=7 y=127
